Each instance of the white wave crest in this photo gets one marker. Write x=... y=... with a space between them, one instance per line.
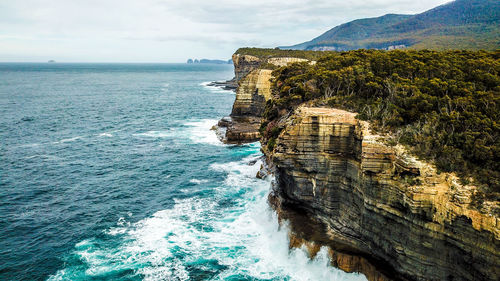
x=68 y=140
x=201 y=132
x=243 y=238
x=197 y=181
x=105 y=135
x=155 y=134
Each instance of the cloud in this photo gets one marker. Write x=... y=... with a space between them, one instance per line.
x=172 y=30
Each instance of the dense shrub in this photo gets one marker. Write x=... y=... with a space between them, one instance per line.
x=276 y=53
x=445 y=105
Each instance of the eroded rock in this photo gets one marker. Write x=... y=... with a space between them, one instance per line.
x=381 y=201
x=254 y=89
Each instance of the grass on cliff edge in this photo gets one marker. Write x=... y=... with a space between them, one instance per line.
x=444 y=105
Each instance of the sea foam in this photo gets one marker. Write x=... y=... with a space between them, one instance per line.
x=240 y=240
x=216 y=89
x=200 y=132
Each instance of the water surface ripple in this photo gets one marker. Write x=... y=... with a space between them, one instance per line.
x=111 y=172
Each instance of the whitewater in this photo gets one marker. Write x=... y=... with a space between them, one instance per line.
x=112 y=172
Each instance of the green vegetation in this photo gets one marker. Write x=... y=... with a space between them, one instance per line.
x=277 y=53
x=444 y=105
x=461 y=24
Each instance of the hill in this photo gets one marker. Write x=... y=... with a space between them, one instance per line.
x=461 y=24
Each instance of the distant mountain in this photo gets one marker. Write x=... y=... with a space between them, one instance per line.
x=461 y=24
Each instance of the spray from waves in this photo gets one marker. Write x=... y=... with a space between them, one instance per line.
x=198 y=131
x=229 y=235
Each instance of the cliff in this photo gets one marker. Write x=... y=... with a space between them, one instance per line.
x=254 y=89
x=380 y=210
x=380 y=202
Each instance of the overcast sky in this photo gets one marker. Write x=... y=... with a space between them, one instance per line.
x=172 y=30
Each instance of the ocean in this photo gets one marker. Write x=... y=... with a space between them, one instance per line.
x=111 y=172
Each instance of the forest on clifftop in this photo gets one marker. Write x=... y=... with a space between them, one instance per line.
x=445 y=106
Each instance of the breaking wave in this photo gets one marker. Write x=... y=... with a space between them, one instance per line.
x=230 y=235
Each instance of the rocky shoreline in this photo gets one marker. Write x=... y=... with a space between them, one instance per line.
x=229 y=85
x=377 y=208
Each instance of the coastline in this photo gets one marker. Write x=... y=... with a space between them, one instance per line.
x=303 y=162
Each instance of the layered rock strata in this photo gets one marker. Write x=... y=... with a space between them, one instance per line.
x=244 y=64
x=251 y=95
x=379 y=205
x=378 y=209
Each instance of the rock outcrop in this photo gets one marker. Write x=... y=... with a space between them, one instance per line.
x=254 y=89
x=244 y=64
x=381 y=211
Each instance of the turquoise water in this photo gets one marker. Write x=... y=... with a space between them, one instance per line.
x=111 y=172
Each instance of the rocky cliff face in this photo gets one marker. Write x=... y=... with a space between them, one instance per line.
x=381 y=211
x=378 y=209
x=244 y=64
x=254 y=89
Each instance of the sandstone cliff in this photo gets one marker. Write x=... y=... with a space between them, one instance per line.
x=380 y=211
x=251 y=95
x=381 y=203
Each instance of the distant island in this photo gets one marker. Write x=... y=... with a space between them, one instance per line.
x=230 y=61
x=51 y=61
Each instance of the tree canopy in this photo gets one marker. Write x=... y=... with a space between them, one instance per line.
x=444 y=105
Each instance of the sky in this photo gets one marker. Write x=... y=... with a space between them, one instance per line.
x=172 y=30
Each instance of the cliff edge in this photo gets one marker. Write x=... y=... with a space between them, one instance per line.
x=252 y=74
x=381 y=202
x=379 y=209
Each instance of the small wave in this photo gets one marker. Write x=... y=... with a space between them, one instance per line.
x=196 y=131
x=241 y=167
x=233 y=234
x=44 y=156
x=105 y=135
x=197 y=181
x=68 y=140
x=155 y=134
x=30 y=145
x=28 y=118
x=121 y=227
x=165 y=87
x=201 y=132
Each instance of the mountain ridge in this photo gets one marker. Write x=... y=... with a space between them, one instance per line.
x=461 y=24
